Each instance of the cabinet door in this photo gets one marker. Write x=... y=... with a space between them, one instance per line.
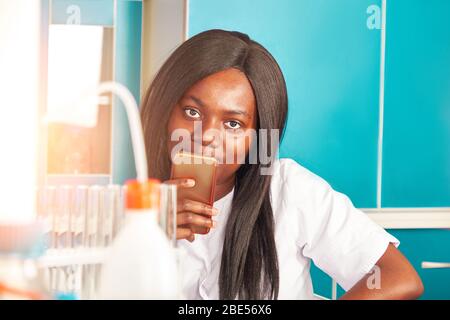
x=431 y=246
x=416 y=140
x=330 y=59
x=422 y=245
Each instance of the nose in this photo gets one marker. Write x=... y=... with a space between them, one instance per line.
x=208 y=134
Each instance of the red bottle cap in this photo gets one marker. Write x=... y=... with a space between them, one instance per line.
x=140 y=195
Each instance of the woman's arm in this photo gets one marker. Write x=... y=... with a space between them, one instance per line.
x=392 y=278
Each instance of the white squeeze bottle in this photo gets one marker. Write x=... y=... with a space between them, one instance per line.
x=141 y=263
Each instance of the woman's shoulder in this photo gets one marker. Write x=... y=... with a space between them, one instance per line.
x=290 y=171
x=293 y=182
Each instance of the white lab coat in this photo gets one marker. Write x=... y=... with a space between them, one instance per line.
x=312 y=221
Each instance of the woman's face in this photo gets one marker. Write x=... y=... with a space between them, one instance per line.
x=225 y=107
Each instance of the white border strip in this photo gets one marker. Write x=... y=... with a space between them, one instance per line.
x=435 y=265
x=112 y=160
x=410 y=218
x=319 y=297
x=186 y=20
x=381 y=103
x=333 y=289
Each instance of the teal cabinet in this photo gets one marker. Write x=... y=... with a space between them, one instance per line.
x=331 y=60
x=422 y=245
x=431 y=246
x=127 y=72
x=416 y=144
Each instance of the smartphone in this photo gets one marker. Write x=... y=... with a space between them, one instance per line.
x=203 y=170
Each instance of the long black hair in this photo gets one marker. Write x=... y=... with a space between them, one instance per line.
x=249 y=266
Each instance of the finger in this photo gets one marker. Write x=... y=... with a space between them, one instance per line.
x=199 y=230
x=181 y=183
x=196 y=207
x=189 y=218
x=191 y=238
x=184 y=233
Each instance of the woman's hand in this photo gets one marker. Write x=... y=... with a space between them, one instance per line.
x=192 y=216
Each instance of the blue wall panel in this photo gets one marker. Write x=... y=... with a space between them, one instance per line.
x=331 y=63
x=127 y=72
x=416 y=147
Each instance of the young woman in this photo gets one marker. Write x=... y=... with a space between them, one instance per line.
x=265 y=228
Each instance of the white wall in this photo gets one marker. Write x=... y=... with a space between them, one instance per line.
x=163 y=29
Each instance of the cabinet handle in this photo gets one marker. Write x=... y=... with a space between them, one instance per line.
x=435 y=265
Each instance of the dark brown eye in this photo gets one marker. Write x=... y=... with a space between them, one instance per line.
x=233 y=124
x=192 y=113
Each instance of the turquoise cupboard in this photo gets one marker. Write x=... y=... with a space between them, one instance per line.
x=331 y=52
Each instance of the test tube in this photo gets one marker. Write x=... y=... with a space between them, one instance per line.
x=168 y=222
x=64 y=216
x=45 y=211
x=104 y=228
x=168 y=211
x=91 y=238
x=92 y=217
x=108 y=208
x=79 y=214
x=77 y=231
x=80 y=217
x=65 y=196
x=120 y=210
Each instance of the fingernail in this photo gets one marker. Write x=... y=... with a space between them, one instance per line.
x=190 y=182
x=215 y=211
x=213 y=223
